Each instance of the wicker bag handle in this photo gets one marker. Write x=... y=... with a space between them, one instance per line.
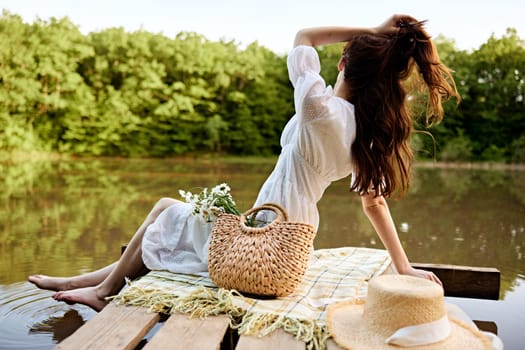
x=279 y=208
x=276 y=208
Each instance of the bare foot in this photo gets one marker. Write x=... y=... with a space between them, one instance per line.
x=88 y=296
x=51 y=283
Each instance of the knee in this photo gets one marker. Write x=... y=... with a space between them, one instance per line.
x=162 y=204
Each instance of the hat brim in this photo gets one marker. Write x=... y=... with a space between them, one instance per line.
x=350 y=330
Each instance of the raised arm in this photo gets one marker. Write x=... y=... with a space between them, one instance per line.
x=377 y=211
x=328 y=35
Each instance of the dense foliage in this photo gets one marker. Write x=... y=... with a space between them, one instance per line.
x=136 y=94
x=114 y=92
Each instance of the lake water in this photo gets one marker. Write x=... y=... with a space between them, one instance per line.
x=70 y=217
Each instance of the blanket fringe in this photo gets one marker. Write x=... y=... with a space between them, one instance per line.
x=204 y=302
x=260 y=325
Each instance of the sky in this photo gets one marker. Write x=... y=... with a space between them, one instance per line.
x=273 y=23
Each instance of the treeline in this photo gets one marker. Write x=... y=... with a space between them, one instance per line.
x=136 y=94
x=122 y=93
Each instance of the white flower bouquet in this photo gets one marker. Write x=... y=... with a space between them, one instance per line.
x=209 y=204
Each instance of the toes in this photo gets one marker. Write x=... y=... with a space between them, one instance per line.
x=34 y=278
x=61 y=296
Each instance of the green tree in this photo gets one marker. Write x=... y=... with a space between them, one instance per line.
x=122 y=93
x=491 y=82
x=329 y=56
x=40 y=85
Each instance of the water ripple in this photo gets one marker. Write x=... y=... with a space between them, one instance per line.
x=31 y=319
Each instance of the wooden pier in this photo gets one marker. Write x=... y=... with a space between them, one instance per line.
x=119 y=327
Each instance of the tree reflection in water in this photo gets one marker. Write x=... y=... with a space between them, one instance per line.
x=60 y=327
x=69 y=217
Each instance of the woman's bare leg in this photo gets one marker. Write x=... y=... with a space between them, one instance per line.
x=130 y=265
x=66 y=283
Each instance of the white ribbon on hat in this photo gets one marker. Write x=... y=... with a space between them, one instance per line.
x=421 y=334
x=432 y=332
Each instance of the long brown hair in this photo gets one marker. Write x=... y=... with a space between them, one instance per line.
x=375 y=68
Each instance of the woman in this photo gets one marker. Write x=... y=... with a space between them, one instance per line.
x=361 y=127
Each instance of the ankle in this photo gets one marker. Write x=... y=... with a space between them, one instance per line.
x=103 y=291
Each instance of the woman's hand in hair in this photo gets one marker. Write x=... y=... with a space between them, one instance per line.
x=392 y=25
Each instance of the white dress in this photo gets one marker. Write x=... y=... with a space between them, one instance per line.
x=316 y=150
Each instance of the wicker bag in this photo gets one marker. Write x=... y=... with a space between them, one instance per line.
x=266 y=261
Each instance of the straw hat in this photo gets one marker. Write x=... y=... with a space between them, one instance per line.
x=401 y=311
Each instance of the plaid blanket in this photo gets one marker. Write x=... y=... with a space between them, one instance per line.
x=333 y=275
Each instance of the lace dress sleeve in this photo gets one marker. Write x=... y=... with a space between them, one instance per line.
x=310 y=91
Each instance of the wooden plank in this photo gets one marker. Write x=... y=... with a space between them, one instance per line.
x=183 y=332
x=116 y=327
x=487 y=326
x=278 y=339
x=466 y=281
